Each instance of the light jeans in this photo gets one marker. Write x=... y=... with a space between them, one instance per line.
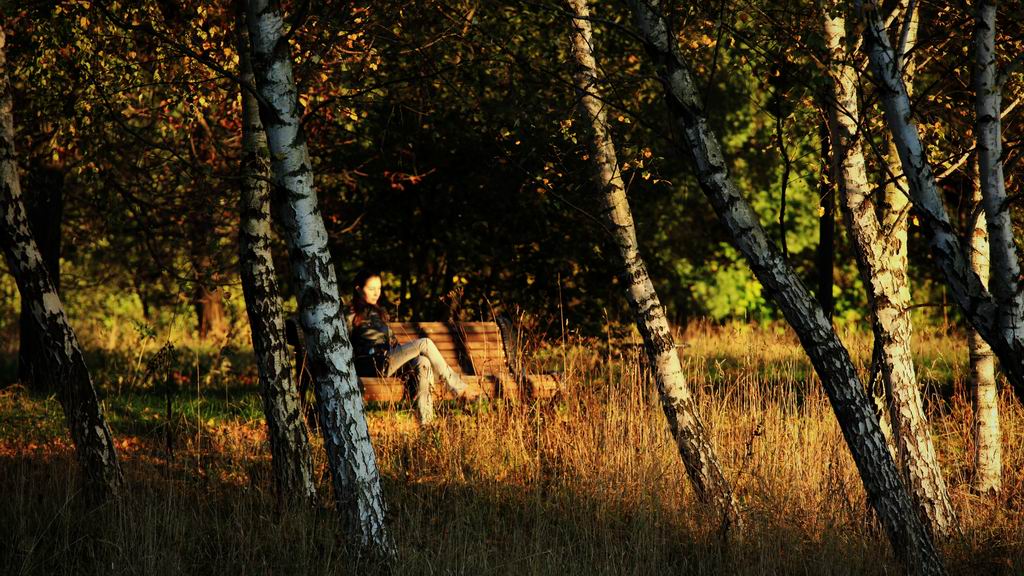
x=424 y=360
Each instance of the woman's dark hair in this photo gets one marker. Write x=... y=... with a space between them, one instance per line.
x=359 y=305
x=360 y=280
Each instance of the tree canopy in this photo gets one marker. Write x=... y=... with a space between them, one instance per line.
x=443 y=141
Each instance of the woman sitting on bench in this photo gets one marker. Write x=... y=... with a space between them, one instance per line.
x=377 y=352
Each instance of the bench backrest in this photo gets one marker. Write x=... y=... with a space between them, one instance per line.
x=471 y=348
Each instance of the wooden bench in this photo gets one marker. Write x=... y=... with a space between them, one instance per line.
x=473 y=349
x=476 y=350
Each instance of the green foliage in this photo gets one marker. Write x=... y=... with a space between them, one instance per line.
x=731 y=290
x=445 y=153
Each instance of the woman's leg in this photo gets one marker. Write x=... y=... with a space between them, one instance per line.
x=407 y=356
x=424 y=381
x=441 y=368
x=401 y=355
x=425 y=360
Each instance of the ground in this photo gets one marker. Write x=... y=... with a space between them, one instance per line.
x=589 y=483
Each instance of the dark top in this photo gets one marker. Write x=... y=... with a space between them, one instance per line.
x=371 y=339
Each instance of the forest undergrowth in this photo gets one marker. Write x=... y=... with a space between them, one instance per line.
x=588 y=483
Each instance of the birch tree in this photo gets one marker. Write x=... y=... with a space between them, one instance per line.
x=692 y=440
x=66 y=371
x=1003 y=259
x=350 y=454
x=289 y=443
x=881 y=259
x=895 y=209
x=911 y=540
x=988 y=459
x=1000 y=319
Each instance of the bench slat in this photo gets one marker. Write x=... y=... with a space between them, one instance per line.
x=393 y=390
x=457 y=346
x=415 y=330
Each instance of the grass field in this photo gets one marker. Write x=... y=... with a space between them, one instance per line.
x=588 y=484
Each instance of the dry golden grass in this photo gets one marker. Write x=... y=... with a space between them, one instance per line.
x=588 y=484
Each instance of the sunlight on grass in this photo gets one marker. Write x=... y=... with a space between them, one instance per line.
x=589 y=483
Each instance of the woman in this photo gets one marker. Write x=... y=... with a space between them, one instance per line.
x=377 y=351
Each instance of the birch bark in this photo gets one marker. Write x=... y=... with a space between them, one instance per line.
x=289 y=443
x=692 y=440
x=882 y=263
x=895 y=210
x=1000 y=326
x=66 y=371
x=350 y=454
x=988 y=453
x=1003 y=260
x=910 y=538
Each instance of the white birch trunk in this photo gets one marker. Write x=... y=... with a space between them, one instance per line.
x=910 y=539
x=66 y=371
x=692 y=440
x=289 y=443
x=1002 y=329
x=894 y=211
x=988 y=131
x=885 y=278
x=988 y=452
x=352 y=461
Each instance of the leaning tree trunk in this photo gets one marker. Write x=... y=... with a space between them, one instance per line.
x=1004 y=282
x=895 y=209
x=999 y=322
x=910 y=538
x=988 y=452
x=289 y=443
x=45 y=204
x=352 y=461
x=66 y=370
x=677 y=401
x=885 y=276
